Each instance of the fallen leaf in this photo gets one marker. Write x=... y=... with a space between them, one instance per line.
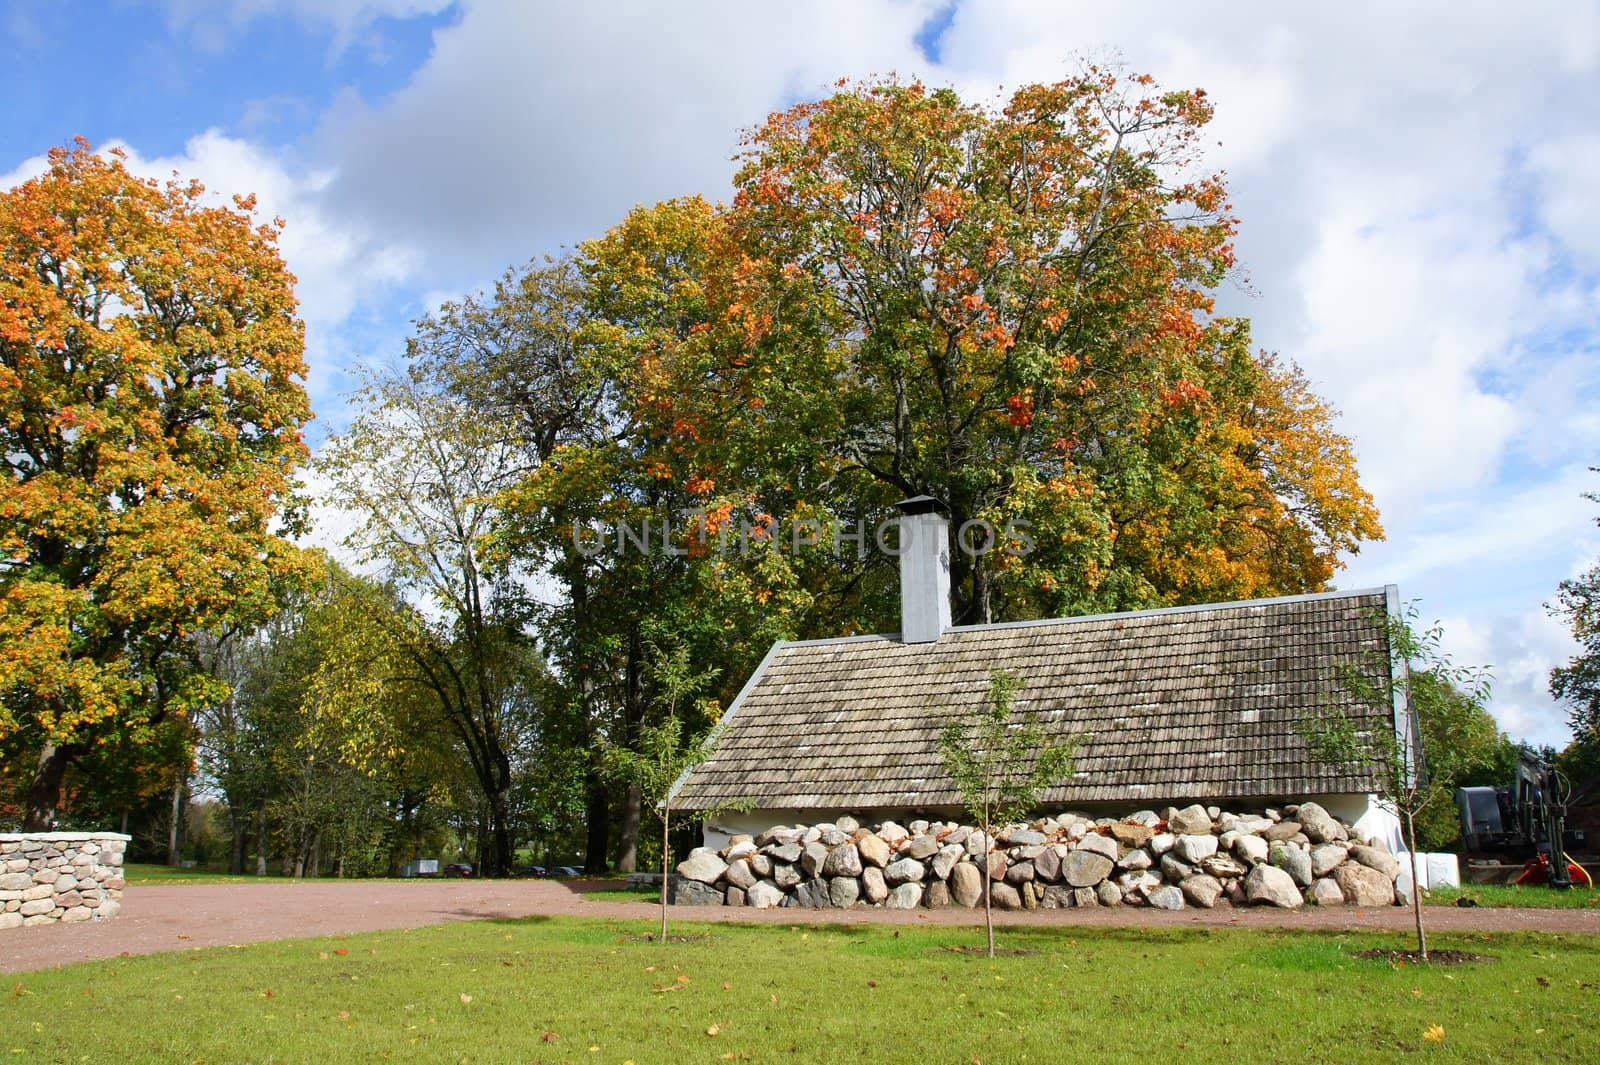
x=344 y=1015
x=323 y=955
x=465 y=997
x=184 y=935
x=715 y=1029
x=683 y=978
x=341 y=952
x=549 y=1037
x=805 y=935
x=872 y=983
x=773 y=999
x=1434 y=1034
x=726 y=986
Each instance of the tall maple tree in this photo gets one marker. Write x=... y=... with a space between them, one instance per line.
x=151 y=369
x=1012 y=309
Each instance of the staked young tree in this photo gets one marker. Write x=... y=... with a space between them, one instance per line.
x=1000 y=762
x=151 y=369
x=1440 y=699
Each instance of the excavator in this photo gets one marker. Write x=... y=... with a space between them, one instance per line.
x=1526 y=820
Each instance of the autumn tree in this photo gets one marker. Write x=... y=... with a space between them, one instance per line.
x=1012 y=309
x=151 y=369
x=1576 y=685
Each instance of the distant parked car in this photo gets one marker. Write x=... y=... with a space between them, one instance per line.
x=570 y=870
x=458 y=869
x=533 y=870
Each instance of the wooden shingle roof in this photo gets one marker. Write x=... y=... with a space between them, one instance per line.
x=1187 y=703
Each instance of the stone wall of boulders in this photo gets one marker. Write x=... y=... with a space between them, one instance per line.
x=60 y=876
x=1198 y=856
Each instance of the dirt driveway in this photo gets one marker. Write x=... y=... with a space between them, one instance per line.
x=181 y=917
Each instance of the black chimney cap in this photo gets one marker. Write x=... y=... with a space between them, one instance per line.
x=922 y=505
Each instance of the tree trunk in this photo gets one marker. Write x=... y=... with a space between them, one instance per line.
x=628 y=851
x=44 y=792
x=501 y=857
x=236 y=852
x=988 y=906
x=597 y=815
x=261 y=841
x=666 y=865
x=1416 y=889
x=314 y=866
x=175 y=825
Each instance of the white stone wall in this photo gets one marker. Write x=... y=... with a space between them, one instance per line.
x=60 y=876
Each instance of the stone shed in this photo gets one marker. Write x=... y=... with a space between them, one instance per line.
x=1167 y=707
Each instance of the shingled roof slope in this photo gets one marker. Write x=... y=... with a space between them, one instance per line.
x=1193 y=702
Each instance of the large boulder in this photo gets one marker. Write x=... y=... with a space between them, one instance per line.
x=1194 y=849
x=1326 y=857
x=1294 y=861
x=703 y=866
x=873 y=887
x=1283 y=830
x=843 y=891
x=1319 y=825
x=905 y=896
x=1223 y=867
x=936 y=896
x=922 y=847
x=813 y=858
x=1174 y=869
x=1381 y=860
x=1131 y=833
x=966 y=885
x=1020 y=873
x=740 y=875
x=1023 y=837
x=1363 y=885
x=945 y=861
x=813 y=894
x=1047 y=866
x=761 y=865
x=904 y=871
x=1085 y=868
x=1324 y=892
x=1138 y=858
x=873 y=851
x=1166 y=897
x=891 y=833
x=1252 y=850
x=1161 y=843
x=1004 y=897
x=1059 y=896
x=763 y=895
x=785 y=852
x=1107 y=893
x=1190 y=821
x=785 y=875
x=1098 y=844
x=1202 y=890
x=1271 y=886
x=843 y=860
x=682 y=892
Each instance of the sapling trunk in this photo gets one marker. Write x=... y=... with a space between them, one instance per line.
x=988 y=911
x=666 y=863
x=1416 y=888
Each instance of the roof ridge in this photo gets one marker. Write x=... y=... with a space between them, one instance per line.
x=1075 y=619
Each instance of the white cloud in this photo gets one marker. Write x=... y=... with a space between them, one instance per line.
x=535 y=125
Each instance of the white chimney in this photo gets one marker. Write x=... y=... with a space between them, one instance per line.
x=924 y=570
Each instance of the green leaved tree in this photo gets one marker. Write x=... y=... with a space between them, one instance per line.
x=1000 y=762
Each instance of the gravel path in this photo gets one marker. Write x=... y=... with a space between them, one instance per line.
x=181 y=917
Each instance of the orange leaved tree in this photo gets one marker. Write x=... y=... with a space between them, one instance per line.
x=151 y=369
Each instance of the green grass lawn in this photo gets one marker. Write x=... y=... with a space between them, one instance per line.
x=623 y=895
x=594 y=990
x=1537 y=897
x=136 y=873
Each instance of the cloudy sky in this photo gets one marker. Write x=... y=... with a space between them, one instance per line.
x=1418 y=185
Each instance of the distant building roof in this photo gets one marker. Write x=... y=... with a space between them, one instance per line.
x=1184 y=703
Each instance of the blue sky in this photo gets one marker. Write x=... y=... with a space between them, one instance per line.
x=1417 y=185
